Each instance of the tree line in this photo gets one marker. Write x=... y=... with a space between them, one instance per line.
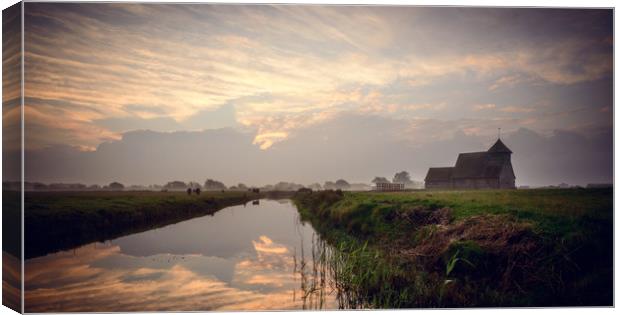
x=213 y=185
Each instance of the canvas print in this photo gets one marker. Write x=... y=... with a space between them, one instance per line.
x=211 y=157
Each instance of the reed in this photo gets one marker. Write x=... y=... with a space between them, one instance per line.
x=467 y=248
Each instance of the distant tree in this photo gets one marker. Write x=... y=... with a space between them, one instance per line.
x=57 y=186
x=193 y=185
x=156 y=187
x=377 y=180
x=403 y=178
x=61 y=186
x=304 y=190
x=197 y=190
x=136 y=188
x=242 y=186
x=76 y=186
x=360 y=187
x=211 y=184
x=315 y=186
x=286 y=186
x=189 y=191
x=233 y=188
x=39 y=186
x=116 y=186
x=175 y=185
x=329 y=185
x=342 y=184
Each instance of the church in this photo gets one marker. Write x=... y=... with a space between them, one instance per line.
x=491 y=169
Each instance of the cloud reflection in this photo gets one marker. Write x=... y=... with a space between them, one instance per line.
x=103 y=277
x=76 y=282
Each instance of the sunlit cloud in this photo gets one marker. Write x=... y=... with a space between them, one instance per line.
x=266 y=140
x=150 y=61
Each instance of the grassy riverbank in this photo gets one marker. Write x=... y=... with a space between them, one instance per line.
x=469 y=248
x=61 y=220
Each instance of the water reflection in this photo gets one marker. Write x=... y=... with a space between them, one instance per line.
x=11 y=281
x=313 y=282
x=241 y=258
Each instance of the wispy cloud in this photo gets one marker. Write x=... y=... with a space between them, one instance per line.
x=484 y=106
x=151 y=61
x=516 y=109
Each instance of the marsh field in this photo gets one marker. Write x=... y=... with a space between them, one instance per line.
x=469 y=248
x=538 y=247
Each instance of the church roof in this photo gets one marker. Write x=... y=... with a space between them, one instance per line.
x=478 y=165
x=439 y=174
x=475 y=165
x=499 y=147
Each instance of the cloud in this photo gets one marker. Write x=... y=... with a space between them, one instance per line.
x=351 y=146
x=124 y=124
x=83 y=283
x=239 y=92
x=516 y=109
x=484 y=107
x=221 y=117
x=45 y=129
x=266 y=246
x=129 y=66
x=266 y=140
x=507 y=81
x=144 y=111
x=569 y=62
x=250 y=270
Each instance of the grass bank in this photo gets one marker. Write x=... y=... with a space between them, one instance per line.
x=468 y=248
x=62 y=220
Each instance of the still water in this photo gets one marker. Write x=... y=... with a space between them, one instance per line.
x=250 y=257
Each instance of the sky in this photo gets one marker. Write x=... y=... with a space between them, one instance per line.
x=147 y=93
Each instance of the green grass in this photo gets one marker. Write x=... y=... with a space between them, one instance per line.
x=62 y=220
x=473 y=248
x=554 y=211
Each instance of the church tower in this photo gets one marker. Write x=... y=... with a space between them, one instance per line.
x=500 y=155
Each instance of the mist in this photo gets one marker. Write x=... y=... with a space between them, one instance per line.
x=354 y=147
